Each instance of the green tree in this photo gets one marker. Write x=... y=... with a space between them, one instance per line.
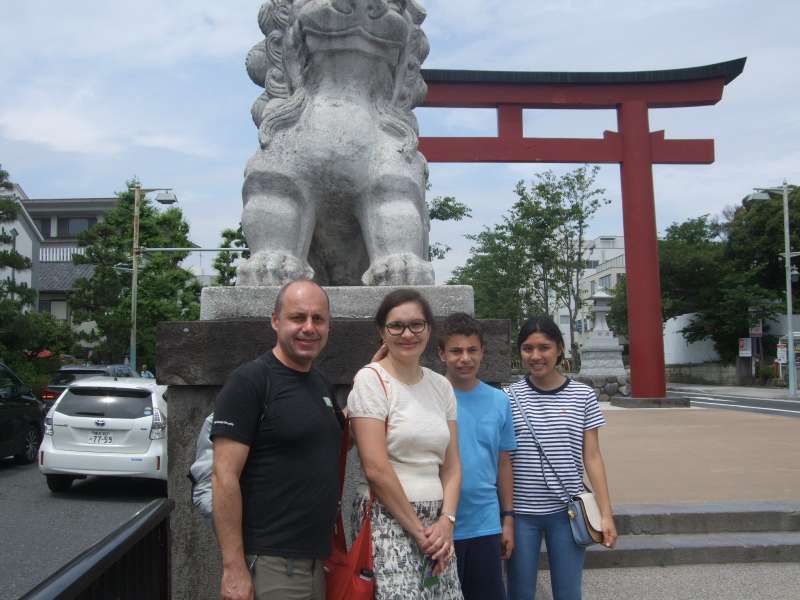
x=492 y=269
x=617 y=317
x=225 y=262
x=23 y=333
x=699 y=276
x=9 y=257
x=445 y=208
x=755 y=238
x=579 y=200
x=5 y=182
x=532 y=261
x=166 y=292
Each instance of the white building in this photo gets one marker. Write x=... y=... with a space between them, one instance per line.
x=60 y=220
x=677 y=351
x=605 y=266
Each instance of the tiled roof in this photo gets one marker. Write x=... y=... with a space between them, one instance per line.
x=61 y=277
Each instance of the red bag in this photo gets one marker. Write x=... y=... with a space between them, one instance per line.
x=350 y=575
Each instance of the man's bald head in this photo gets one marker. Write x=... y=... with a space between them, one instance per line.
x=303 y=281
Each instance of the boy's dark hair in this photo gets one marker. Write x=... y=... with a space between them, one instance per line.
x=547 y=327
x=460 y=323
x=401 y=296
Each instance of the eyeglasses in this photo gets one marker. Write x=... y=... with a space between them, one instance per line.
x=399 y=328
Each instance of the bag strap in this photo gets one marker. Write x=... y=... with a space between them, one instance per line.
x=345 y=447
x=268 y=390
x=385 y=429
x=539 y=446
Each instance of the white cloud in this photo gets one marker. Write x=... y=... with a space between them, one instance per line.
x=174 y=142
x=39 y=116
x=86 y=120
x=126 y=33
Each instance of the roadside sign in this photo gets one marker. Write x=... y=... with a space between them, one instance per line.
x=757 y=330
x=782 y=354
x=745 y=347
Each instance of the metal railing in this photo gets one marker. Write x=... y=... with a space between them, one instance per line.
x=130 y=563
x=59 y=253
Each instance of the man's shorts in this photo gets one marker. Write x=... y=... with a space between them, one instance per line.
x=278 y=578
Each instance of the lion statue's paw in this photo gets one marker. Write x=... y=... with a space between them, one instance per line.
x=399 y=269
x=272 y=269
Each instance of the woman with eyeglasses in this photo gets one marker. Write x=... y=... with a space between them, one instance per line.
x=403 y=418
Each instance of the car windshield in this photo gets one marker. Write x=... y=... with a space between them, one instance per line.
x=67 y=377
x=108 y=403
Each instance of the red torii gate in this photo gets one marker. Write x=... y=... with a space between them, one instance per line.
x=634 y=147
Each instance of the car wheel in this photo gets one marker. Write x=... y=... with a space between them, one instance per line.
x=59 y=483
x=30 y=447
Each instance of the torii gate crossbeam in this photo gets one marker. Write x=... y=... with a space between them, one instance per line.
x=634 y=147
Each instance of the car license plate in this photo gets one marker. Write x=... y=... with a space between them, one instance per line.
x=100 y=437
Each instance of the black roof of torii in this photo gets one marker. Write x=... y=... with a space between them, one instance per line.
x=728 y=70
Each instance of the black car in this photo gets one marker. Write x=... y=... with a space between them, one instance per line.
x=68 y=374
x=21 y=418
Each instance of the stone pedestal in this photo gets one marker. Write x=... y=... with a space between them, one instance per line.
x=195 y=359
x=602 y=358
x=346 y=301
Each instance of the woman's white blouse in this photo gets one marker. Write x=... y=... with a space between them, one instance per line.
x=417 y=433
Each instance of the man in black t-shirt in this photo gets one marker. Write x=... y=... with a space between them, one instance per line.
x=276 y=433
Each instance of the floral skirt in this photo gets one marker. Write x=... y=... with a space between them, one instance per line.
x=398 y=560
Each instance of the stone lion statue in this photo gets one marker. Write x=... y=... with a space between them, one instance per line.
x=337 y=190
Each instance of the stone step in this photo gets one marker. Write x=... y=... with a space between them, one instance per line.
x=710 y=533
x=694 y=549
x=723 y=517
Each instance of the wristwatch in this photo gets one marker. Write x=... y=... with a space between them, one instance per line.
x=506 y=513
x=450 y=517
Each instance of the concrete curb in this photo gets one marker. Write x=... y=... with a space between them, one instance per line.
x=713 y=533
x=668 y=402
x=695 y=549
x=717 y=517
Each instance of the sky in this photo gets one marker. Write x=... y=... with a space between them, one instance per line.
x=97 y=92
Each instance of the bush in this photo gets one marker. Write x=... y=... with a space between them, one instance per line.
x=766 y=373
x=35 y=373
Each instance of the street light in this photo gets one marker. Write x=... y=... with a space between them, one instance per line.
x=764 y=194
x=165 y=196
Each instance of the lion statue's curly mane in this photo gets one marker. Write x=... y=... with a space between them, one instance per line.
x=337 y=190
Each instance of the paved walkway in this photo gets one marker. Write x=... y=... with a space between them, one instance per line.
x=695 y=455
x=762 y=581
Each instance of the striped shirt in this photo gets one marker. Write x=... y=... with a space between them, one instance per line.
x=559 y=417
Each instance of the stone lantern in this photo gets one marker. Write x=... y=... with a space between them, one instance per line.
x=601 y=355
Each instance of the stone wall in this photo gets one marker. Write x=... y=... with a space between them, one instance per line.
x=606 y=388
x=707 y=373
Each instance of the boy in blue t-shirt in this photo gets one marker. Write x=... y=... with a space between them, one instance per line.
x=484 y=531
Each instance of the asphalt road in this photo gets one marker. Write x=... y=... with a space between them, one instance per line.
x=765 y=406
x=41 y=531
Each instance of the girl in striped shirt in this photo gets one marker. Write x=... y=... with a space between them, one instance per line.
x=565 y=416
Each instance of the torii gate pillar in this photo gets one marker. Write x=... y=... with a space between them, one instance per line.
x=634 y=147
